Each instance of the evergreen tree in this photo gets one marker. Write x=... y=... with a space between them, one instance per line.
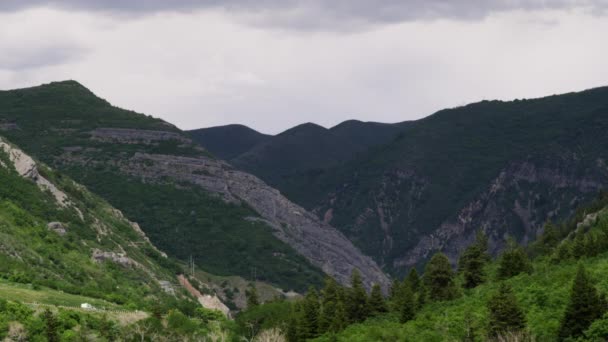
x=563 y=251
x=578 y=247
x=395 y=288
x=376 y=300
x=513 y=261
x=408 y=308
x=422 y=296
x=439 y=278
x=550 y=237
x=505 y=316
x=309 y=318
x=340 y=320
x=584 y=307
x=292 y=324
x=413 y=280
x=357 y=304
x=330 y=294
x=473 y=260
x=51 y=326
x=252 y=296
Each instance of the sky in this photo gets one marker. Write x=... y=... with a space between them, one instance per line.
x=274 y=64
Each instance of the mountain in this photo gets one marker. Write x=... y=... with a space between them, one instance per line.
x=302 y=152
x=502 y=167
x=190 y=204
x=242 y=138
x=55 y=234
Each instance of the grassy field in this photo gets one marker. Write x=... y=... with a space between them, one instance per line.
x=26 y=294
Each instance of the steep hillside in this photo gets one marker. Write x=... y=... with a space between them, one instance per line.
x=227 y=142
x=56 y=234
x=505 y=167
x=189 y=203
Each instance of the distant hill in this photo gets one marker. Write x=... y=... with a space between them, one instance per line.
x=227 y=142
x=304 y=151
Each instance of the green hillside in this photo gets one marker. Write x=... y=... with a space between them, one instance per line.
x=503 y=166
x=542 y=291
x=69 y=128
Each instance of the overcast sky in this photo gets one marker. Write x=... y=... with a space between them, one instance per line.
x=273 y=64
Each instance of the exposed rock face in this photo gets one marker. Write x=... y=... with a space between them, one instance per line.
x=135 y=136
x=206 y=301
x=57 y=227
x=118 y=258
x=517 y=203
x=27 y=168
x=320 y=243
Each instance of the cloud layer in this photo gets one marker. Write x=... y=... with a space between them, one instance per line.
x=318 y=14
x=230 y=63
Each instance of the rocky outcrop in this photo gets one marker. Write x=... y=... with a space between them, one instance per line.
x=207 y=301
x=57 y=227
x=135 y=136
x=117 y=258
x=320 y=243
x=27 y=168
x=517 y=203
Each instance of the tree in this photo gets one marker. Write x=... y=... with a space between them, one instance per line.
x=578 y=246
x=513 y=261
x=584 y=307
x=473 y=260
x=309 y=318
x=292 y=324
x=408 y=306
x=340 y=320
x=505 y=315
x=51 y=325
x=357 y=308
x=413 y=280
x=330 y=297
x=439 y=278
x=252 y=296
x=376 y=300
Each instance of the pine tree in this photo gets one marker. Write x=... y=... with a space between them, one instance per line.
x=549 y=238
x=293 y=323
x=408 y=307
x=395 y=288
x=439 y=278
x=422 y=296
x=252 y=296
x=51 y=326
x=309 y=324
x=584 y=307
x=330 y=294
x=513 y=261
x=357 y=304
x=376 y=300
x=505 y=316
x=340 y=320
x=413 y=280
x=578 y=247
x=473 y=260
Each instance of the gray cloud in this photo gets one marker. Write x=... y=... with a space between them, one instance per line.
x=319 y=14
x=22 y=58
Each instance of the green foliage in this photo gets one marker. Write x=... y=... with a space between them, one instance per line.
x=439 y=278
x=505 y=315
x=585 y=306
x=472 y=262
x=308 y=326
x=407 y=309
x=252 y=296
x=356 y=302
x=513 y=261
x=377 y=304
x=413 y=280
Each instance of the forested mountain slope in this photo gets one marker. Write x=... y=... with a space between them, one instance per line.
x=188 y=202
x=505 y=167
